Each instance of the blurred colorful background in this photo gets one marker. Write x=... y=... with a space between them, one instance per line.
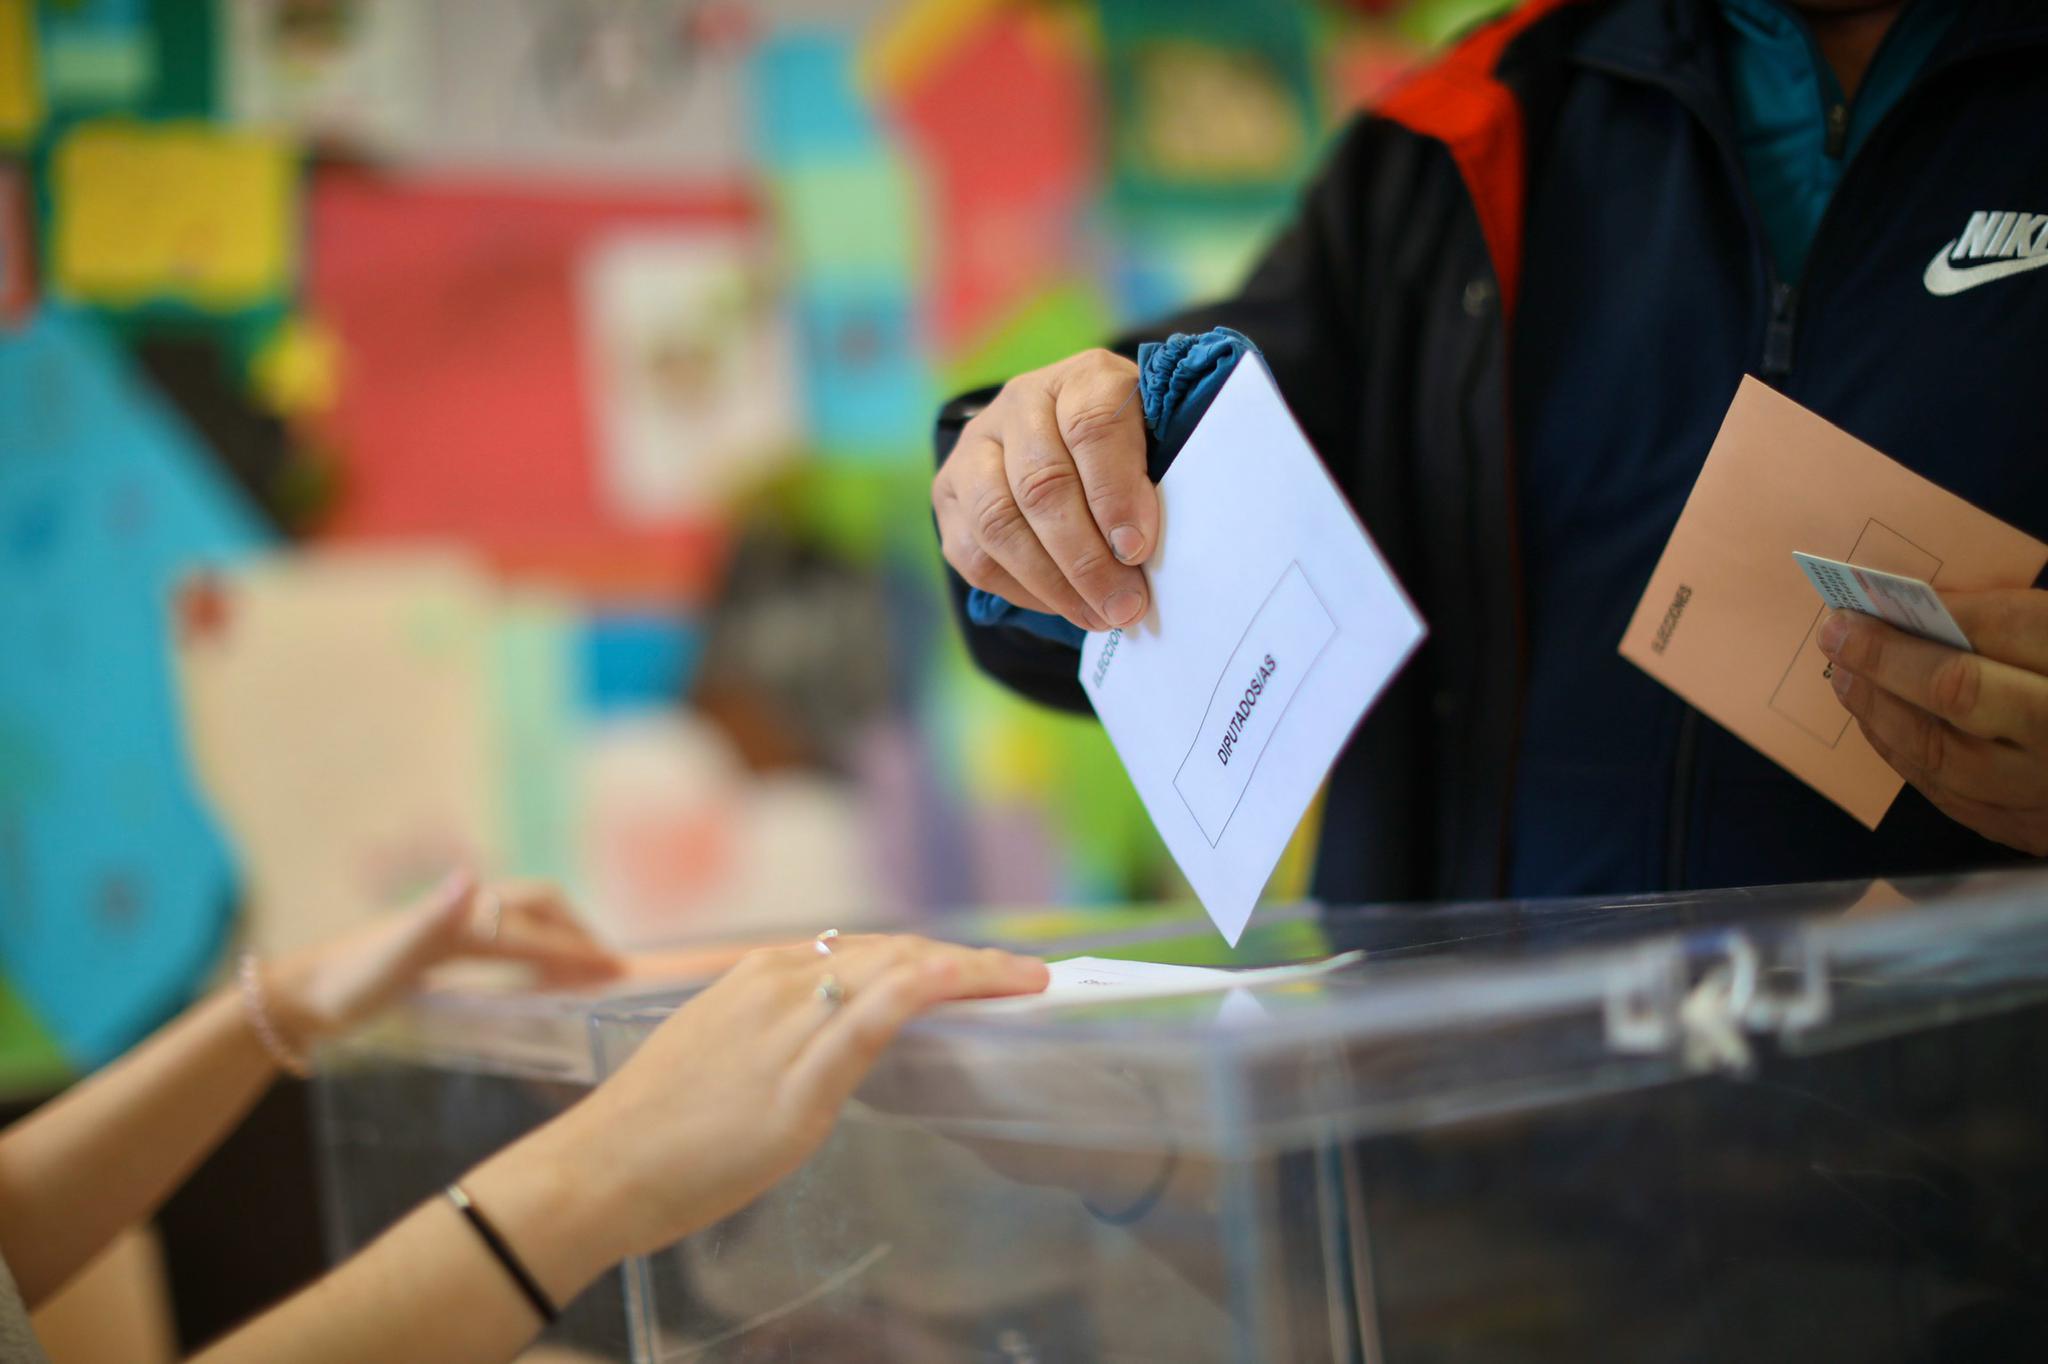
x=497 y=431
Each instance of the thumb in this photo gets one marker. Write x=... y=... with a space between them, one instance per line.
x=1102 y=421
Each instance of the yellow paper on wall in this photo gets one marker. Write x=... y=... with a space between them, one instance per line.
x=172 y=211
x=21 y=97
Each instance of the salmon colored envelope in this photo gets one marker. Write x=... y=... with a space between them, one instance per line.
x=1728 y=620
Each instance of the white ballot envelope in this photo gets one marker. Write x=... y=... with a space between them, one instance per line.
x=1274 y=626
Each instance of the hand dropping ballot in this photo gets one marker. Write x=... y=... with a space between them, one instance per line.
x=1274 y=626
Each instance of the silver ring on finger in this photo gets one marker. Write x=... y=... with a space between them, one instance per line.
x=831 y=992
x=823 y=942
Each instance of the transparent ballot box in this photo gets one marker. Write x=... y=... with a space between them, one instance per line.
x=1789 y=1124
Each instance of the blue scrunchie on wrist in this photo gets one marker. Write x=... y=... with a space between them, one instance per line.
x=1177 y=380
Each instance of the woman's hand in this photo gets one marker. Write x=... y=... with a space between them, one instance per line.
x=323 y=991
x=108 y=1152
x=1969 y=730
x=734 y=1091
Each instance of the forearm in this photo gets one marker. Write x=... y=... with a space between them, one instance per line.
x=430 y=1290
x=103 y=1156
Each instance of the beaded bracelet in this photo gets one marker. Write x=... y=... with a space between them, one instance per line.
x=256 y=1008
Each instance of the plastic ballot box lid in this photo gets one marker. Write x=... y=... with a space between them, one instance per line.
x=494 y=1017
x=1419 y=1014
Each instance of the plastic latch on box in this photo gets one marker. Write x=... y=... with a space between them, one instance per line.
x=1706 y=1005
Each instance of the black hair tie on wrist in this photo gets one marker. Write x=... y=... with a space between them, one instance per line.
x=489 y=1234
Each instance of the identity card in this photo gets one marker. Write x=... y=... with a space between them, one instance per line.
x=1907 y=603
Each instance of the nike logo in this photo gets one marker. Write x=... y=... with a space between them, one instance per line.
x=1943 y=279
x=1993 y=246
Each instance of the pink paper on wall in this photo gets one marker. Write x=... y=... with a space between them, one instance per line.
x=1003 y=119
x=464 y=410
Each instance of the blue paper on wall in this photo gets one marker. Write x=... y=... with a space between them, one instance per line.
x=806 y=107
x=635 y=660
x=115 y=888
x=865 y=385
x=846 y=210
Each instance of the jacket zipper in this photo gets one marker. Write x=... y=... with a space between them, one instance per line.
x=1774 y=369
x=1780 y=333
x=1519 y=587
x=1776 y=366
x=1838 y=130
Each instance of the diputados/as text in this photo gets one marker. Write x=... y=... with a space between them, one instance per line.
x=1234 y=729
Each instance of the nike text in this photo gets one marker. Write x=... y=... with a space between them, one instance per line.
x=1993 y=245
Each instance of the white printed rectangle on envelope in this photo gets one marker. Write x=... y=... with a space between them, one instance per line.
x=1292 y=625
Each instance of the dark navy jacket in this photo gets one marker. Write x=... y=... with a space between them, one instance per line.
x=1511 y=313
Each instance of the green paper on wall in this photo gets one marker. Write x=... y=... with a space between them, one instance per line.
x=848 y=220
x=1051 y=326
x=98 y=54
x=1433 y=23
x=31 y=1062
x=533 y=684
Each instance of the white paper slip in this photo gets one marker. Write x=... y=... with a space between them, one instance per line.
x=1105 y=980
x=1274 y=626
x=1907 y=603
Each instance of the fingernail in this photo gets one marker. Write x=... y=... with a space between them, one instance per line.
x=1840 y=680
x=1127 y=543
x=1833 y=631
x=1123 y=607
